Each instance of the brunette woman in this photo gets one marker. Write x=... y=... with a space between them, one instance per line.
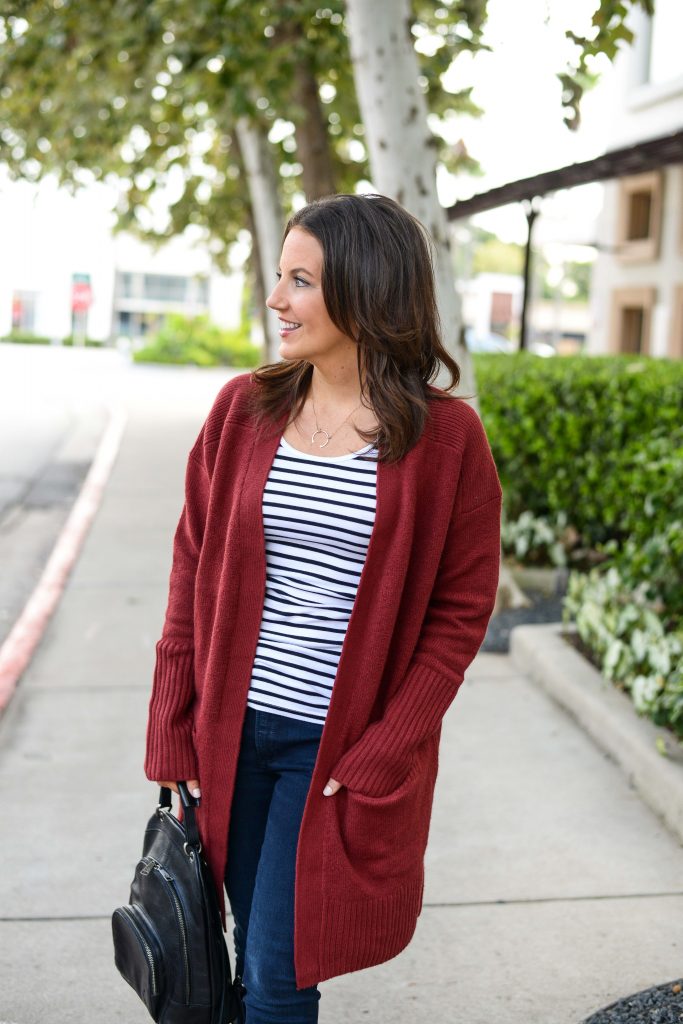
x=334 y=570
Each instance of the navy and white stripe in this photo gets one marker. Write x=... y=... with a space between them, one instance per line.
x=318 y=515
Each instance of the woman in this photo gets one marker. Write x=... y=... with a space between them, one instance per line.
x=334 y=570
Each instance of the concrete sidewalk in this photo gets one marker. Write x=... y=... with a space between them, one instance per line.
x=551 y=889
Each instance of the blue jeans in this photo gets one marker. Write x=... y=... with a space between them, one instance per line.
x=276 y=760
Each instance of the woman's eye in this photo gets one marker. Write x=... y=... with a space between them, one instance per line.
x=300 y=280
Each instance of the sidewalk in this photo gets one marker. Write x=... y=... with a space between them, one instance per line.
x=551 y=889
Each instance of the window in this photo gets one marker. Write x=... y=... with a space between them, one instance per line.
x=127 y=290
x=631 y=320
x=165 y=287
x=639 y=217
x=202 y=292
x=632 y=326
x=123 y=322
x=136 y=325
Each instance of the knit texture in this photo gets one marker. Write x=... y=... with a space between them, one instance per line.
x=424 y=599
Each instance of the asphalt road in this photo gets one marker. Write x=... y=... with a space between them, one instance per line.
x=54 y=405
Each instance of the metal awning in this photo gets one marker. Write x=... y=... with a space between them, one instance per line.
x=617 y=163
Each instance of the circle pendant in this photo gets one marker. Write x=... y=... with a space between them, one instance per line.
x=314 y=435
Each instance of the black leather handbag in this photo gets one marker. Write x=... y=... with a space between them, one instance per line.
x=168 y=940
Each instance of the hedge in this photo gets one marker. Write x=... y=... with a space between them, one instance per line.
x=590 y=454
x=599 y=439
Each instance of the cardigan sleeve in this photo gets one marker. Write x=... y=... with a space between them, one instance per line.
x=170 y=752
x=453 y=629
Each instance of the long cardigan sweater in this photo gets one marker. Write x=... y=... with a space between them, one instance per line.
x=424 y=599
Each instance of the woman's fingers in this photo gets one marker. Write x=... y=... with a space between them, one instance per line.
x=192 y=785
x=167 y=785
x=332 y=787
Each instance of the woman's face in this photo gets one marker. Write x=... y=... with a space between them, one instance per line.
x=305 y=326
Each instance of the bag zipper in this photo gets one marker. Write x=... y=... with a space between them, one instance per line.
x=180 y=916
x=147 y=950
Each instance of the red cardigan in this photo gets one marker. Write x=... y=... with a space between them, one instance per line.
x=423 y=603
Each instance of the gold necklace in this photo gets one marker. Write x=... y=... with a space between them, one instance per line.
x=319 y=429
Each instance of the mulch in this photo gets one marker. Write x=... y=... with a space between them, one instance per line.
x=543 y=609
x=662 y=1004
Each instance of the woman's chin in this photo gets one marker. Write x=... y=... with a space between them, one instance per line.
x=290 y=350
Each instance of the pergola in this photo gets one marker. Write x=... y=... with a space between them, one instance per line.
x=617 y=163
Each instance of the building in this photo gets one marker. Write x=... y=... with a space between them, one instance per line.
x=63 y=270
x=637 y=287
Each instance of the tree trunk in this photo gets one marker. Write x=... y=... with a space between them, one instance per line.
x=403 y=161
x=267 y=214
x=258 y=294
x=312 y=141
x=400 y=145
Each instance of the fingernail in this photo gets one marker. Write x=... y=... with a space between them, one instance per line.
x=196 y=792
x=327 y=791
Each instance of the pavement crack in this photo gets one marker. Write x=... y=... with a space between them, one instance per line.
x=589 y=897
x=56 y=918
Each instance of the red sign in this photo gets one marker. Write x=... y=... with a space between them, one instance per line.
x=81 y=293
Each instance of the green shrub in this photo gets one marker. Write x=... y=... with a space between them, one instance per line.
x=26 y=338
x=534 y=540
x=590 y=454
x=599 y=439
x=89 y=342
x=195 y=340
x=630 y=614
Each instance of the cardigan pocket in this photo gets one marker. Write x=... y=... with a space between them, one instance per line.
x=378 y=842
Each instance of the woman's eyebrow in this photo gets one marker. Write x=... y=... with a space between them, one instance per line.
x=297 y=270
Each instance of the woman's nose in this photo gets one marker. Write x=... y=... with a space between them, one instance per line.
x=274 y=301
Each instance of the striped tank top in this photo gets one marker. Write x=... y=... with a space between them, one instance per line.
x=318 y=515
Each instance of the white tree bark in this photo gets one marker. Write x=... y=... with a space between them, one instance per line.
x=400 y=145
x=267 y=213
x=403 y=165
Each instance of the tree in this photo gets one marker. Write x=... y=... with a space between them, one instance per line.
x=401 y=155
x=609 y=31
x=150 y=100
x=183 y=100
x=157 y=105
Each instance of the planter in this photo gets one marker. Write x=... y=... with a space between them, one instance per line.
x=546 y=580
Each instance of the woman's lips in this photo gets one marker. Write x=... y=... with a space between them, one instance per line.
x=284 y=331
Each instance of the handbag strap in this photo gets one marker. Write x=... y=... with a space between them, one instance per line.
x=188 y=804
x=165 y=798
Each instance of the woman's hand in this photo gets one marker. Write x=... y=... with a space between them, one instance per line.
x=331 y=787
x=192 y=785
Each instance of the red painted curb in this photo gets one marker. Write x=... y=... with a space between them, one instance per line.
x=26 y=634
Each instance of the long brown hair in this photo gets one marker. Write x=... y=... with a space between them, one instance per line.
x=378 y=287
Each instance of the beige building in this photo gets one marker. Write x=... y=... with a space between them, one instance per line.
x=637 y=283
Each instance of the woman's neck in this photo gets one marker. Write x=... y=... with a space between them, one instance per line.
x=338 y=389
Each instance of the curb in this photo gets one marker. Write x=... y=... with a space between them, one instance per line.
x=24 y=637
x=607 y=715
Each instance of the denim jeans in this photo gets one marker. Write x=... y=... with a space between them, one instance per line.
x=276 y=760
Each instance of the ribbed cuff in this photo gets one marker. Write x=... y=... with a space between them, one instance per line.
x=170 y=754
x=380 y=760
